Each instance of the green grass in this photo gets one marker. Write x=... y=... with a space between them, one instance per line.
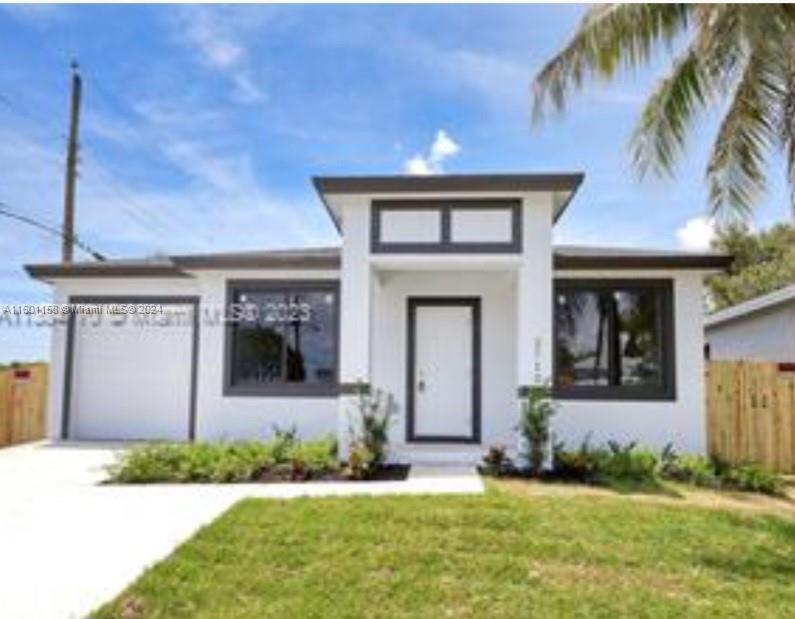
x=498 y=555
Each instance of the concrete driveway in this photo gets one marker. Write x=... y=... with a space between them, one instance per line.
x=67 y=544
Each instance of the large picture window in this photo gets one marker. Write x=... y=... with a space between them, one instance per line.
x=614 y=339
x=282 y=338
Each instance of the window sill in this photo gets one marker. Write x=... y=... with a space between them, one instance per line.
x=614 y=395
x=281 y=391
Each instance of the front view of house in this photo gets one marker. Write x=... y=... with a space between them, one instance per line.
x=446 y=293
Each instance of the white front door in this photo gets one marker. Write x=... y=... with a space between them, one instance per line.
x=444 y=366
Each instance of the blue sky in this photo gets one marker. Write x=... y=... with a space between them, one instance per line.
x=202 y=126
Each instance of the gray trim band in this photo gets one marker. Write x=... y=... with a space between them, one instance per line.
x=354 y=388
x=193 y=301
x=448 y=182
x=275 y=261
x=595 y=262
x=99 y=269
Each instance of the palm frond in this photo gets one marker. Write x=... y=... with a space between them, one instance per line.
x=735 y=172
x=608 y=36
x=708 y=67
x=660 y=135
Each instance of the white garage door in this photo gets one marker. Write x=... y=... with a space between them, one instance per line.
x=132 y=375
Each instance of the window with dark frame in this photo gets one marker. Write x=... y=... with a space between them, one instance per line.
x=282 y=338
x=614 y=339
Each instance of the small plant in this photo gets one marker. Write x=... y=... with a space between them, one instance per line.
x=360 y=461
x=628 y=463
x=715 y=473
x=749 y=478
x=534 y=426
x=690 y=469
x=497 y=462
x=374 y=413
x=283 y=441
x=580 y=465
x=313 y=458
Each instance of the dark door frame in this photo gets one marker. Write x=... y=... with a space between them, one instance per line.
x=66 y=399
x=411 y=357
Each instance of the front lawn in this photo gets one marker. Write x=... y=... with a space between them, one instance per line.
x=505 y=554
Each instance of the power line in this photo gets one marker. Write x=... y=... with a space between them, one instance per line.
x=4 y=211
x=153 y=220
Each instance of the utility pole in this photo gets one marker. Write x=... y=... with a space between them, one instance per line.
x=67 y=245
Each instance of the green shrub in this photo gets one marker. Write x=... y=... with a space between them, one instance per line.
x=313 y=458
x=614 y=463
x=221 y=462
x=534 y=426
x=584 y=464
x=153 y=463
x=628 y=463
x=691 y=469
x=752 y=478
x=713 y=473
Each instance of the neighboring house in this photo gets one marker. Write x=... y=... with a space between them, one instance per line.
x=762 y=328
x=446 y=292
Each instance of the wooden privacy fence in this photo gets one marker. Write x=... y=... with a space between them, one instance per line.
x=751 y=413
x=23 y=399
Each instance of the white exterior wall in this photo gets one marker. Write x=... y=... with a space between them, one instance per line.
x=217 y=416
x=766 y=335
x=498 y=342
x=231 y=417
x=534 y=293
x=355 y=304
x=652 y=423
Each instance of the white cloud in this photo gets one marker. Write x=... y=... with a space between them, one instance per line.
x=245 y=90
x=417 y=166
x=696 y=234
x=217 y=33
x=442 y=147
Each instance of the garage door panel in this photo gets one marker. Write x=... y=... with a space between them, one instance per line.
x=132 y=377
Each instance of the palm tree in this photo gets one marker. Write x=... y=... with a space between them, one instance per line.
x=739 y=56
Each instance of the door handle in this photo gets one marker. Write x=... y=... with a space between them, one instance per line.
x=421 y=382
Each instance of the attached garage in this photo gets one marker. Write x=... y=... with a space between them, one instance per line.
x=131 y=369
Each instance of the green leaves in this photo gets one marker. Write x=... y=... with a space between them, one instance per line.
x=763 y=262
x=609 y=36
x=743 y=54
x=660 y=135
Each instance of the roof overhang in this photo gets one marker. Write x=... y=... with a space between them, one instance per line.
x=747 y=308
x=562 y=185
x=102 y=269
x=326 y=258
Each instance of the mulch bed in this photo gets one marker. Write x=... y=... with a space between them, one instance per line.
x=388 y=472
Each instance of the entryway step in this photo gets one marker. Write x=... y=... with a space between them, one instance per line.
x=437 y=454
x=424 y=471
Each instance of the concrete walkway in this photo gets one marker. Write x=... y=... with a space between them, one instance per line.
x=68 y=544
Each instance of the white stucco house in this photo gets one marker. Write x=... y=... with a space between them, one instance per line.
x=446 y=292
x=761 y=329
